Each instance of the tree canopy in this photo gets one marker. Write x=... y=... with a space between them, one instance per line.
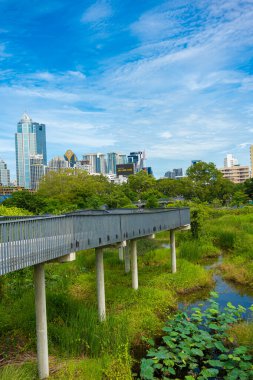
x=65 y=191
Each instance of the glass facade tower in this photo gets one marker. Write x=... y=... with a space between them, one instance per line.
x=4 y=174
x=112 y=161
x=30 y=140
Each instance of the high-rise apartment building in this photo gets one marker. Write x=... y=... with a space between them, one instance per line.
x=174 y=174
x=84 y=165
x=169 y=174
x=57 y=163
x=92 y=159
x=136 y=158
x=112 y=161
x=230 y=161
x=101 y=163
x=37 y=170
x=30 y=141
x=122 y=159
x=4 y=174
x=178 y=172
x=97 y=162
x=236 y=174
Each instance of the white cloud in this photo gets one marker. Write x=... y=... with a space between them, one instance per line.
x=99 y=11
x=3 y=53
x=186 y=150
x=166 y=135
x=50 y=94
x=81 y=141
x=44 y=75
x=60 y=77
x=244 y=145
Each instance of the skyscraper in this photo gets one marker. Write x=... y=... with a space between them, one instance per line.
x=57 y=163
x=71 y=158
x=30 y=141
x=101 y=163
x=175 y=174
x=230 y=161
x=92 y=159
x=4 y=174
x=136 y=158
x=37 y=170
x=112 y=161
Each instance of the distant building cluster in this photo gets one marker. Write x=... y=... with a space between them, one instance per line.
x=174 y=174
x=32 y=165
x=231 y=170
x=31 y=159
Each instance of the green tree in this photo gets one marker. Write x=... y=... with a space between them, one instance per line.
x=151 y=193
x=203 y=172
x=170 y=187
x=240 y=198
x=152 y=201
x=32 y=202
x=13 y=211
x=208 y=182
x=248 y=187
x=116 y=198
x=69 y=190
x=141 y=182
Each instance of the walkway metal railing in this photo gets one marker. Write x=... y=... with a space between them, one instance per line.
x=32 y=240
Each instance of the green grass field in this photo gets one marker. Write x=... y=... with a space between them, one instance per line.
x=79 y=345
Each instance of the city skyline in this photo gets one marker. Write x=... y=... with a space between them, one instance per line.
x=172 y=78
x=37 y=150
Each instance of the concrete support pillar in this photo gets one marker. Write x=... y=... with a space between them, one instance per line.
x=100 y=284
x=127 y=259
x=41 y=321
x=173 y=251
x=121 y=253
x=134 y=264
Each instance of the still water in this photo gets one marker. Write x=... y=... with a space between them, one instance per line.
x=228 y=292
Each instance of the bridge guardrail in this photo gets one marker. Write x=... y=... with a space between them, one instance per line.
x=32 y=240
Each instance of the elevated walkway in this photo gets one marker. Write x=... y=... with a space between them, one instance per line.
x=34 y=241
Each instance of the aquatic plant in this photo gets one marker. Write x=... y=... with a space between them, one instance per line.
x=197 y=345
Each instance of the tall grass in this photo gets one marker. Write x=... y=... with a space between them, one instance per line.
x=242 y=334
x=74 y=328
x=225 y=239
x=11 y=372
x=197 y=250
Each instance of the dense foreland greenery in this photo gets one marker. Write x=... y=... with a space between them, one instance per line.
x=65 y=191
x=82 y=348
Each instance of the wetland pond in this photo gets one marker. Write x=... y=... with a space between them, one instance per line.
x=227 y=290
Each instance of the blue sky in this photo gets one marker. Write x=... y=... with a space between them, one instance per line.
x=171 y=77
